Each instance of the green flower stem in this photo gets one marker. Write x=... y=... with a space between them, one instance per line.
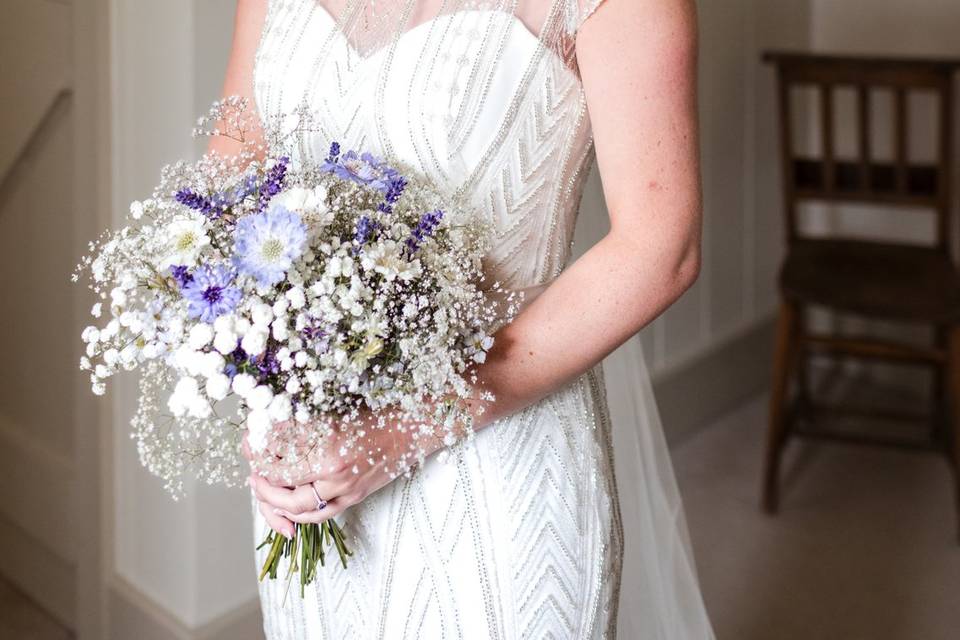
x=306 y=550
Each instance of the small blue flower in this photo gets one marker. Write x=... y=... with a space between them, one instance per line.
x=267 y=243
x=181 y=273
x=209 y=294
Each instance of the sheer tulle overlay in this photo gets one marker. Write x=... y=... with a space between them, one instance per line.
x=520 y=534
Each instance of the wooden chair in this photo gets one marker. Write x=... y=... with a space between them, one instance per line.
x=878 y=280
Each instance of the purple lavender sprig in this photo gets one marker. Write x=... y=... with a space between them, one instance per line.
x=365 y=230
x=274 y=182
x=203 y=204
x=425 y=228
x=395 y=189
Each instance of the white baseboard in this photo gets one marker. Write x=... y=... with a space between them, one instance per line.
x=707 y=386
x=134 y=615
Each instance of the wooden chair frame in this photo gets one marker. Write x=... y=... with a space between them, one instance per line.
x=868 y=181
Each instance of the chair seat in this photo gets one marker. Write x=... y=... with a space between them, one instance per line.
x=893 y=281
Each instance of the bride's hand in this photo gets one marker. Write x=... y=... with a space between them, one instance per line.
x=331 y=478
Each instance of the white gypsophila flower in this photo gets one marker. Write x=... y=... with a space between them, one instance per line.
x=243 y=384
x=296 y=298
x=254 y=342
x=280 y=408
x=118 y=297
x=210 y=364
x=200 y=336
x=261 y=314
x=293 y=385
x=183 y=395
x=91 y=335
x=258 y=428
x=185 y=239
x=259 y=397
x=136 y=209
x=218 y=386
x=225 y=341
x=280 y=329
x=96 y=310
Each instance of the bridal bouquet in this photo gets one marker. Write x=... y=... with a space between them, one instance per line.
x=285 y=302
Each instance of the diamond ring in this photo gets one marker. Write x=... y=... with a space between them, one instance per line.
x=321 y=503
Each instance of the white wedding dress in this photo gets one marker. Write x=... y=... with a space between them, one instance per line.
x=521 y=534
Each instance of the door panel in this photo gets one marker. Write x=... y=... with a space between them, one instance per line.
x=37 y=253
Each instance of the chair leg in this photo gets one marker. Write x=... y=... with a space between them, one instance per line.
x=777 y=429
x=940 y=410
x=953 y=375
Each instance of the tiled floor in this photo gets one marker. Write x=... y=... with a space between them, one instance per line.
x=20 y=619
x=864 y=548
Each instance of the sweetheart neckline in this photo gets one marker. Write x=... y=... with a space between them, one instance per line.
x=363 y=59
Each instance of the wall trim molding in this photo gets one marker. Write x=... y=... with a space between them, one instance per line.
x=134 y=615
x=706 y=376
x=38 y=572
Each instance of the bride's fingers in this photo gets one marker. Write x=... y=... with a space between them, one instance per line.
x=294 y=500
x=334 y=507
x=278 y=523
x=297 y=500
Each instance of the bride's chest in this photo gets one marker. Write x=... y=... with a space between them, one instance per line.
x=438 y=96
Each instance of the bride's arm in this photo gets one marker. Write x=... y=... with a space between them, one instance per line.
x=248 y=24
x=637 y=59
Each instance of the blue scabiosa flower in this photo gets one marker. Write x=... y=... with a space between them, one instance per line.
x=363 y=168
x=210 y=293
x=267 y=243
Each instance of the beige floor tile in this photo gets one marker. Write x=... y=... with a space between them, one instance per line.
x=864 y=546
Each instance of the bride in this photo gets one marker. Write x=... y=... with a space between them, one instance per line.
x=524 y=531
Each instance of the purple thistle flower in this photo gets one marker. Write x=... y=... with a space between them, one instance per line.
x=181 y=273
x=425 y=228
x=209 y=294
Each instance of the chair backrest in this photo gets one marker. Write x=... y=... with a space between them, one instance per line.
x=863 y=178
